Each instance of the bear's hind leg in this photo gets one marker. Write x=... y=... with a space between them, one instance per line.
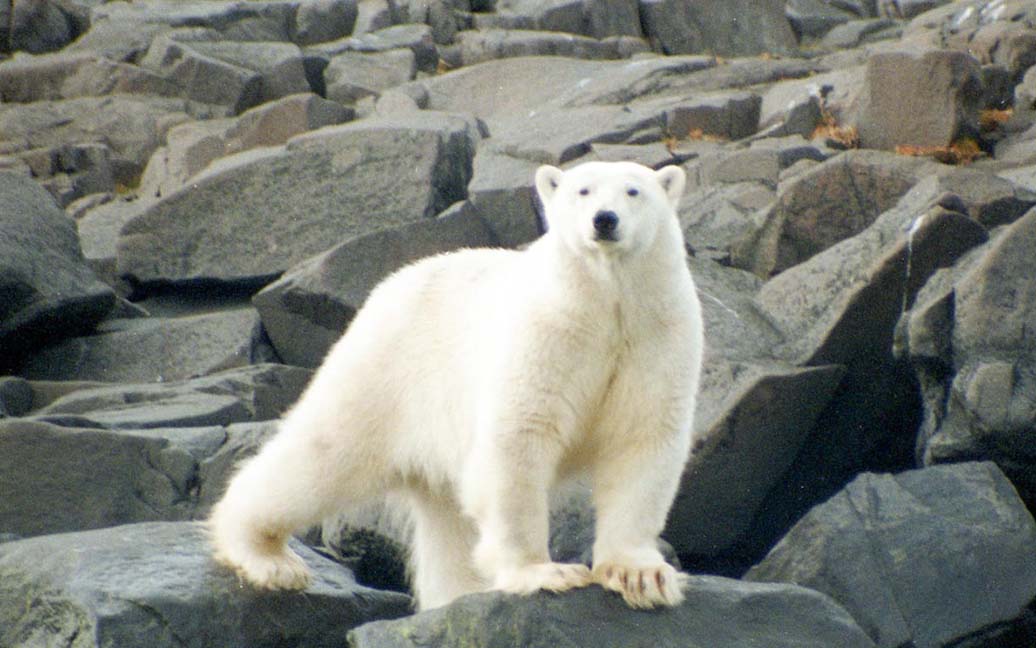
x=440 y=555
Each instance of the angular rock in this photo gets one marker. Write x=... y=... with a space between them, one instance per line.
x=279 y=65
x=318 y=21
x=133 y=127
x=924 y=558
x=812 y=19
x=71 y=171
x=417 y=38
x=597 y=19
x=155 y=584
x=307 y=309
x=252 y=393
x=351 y=76
x=716 y=219
x=501 y=192
x=156 y=349
x=256 y=214
x=38 y=26
x=58 y=479
x=490 y=44
x=717 y=612
x=727 y=116
x=970 y=340
x=723 y=27
x=46 y=289
x=941 y=107
x=66 y=75
x=193 y=146
x=242 y=440
x=828 y=204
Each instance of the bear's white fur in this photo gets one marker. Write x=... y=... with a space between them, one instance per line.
x=472 y=382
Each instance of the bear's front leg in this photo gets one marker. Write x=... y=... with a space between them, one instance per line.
x=506 y=488
x=633 y=490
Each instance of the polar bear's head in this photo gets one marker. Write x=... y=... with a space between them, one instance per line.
x=609 y=206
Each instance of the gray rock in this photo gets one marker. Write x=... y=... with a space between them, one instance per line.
x=924 y=558
x=16 y=396
x=727 y=116
x=974 y=352
x=317 y=21
x=35 y=26
x=595 y=19
x=501 y=192
x=723 y=27
x=66 y=75
x=278 y=206
x=133 y=127
x=717 y=612
x=46 y=289
x=417 y=38
x=192 y=146
x=243 y=440
x=71 y=171
x=812 y=19
x=307 y=309
x=351 y=76
x=855 y=32
x=716 y=219
x=156 y=585
x=59 y=479
x=156 y=349
x=489 y=44
x=279 y=65
x=942 y=106
x=828 y=204
x=252 y=393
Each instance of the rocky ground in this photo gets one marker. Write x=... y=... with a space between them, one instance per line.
x=195 y=198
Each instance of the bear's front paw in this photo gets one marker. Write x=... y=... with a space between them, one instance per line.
x=284 y=570
x=551 y=576
x=643 y=587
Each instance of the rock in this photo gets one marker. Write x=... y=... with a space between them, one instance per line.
x=46 y=289
x=501 y=192
x=717 y=612
x=716 y=219
x=67 y=75
x=417 y=38
x=71 y=171
x=279 y=206
x=38 y=26
x=351 y=76
x=307 y=309
x=812 y=19
x=726 y=116
x=856 y=32
x=59 y=479
x=242 y=440
x=252 y=393
x=192 y=146
x=156 y=349
x=722 y=27
x=969 y=340
x=318 y=21
x=926 y=558
x=132 y=127
x=828 y=204
x=595 y=19
x=156 y=585
x=942 y=106
x=489 y=44
x=279 y=65
x=16 y=396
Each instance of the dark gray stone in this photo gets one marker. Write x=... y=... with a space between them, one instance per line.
x=256 y=214
x=66 y=75
x=717 y=612
x=489 y=44
x=156 y=349
x=924 y=558
x=155 y=584
x=16 y=396
x=318 y=21
x=723 y=27
x=307 y=309
x=351 y=76
x=46 y=289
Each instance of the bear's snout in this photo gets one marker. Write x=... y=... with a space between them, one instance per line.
x=605 y=223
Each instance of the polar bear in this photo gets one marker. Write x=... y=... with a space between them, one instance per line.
x=472 y=383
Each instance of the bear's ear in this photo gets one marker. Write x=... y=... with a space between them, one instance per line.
x=672 y=179
x=548 y=179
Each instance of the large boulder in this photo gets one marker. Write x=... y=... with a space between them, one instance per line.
x=723 y=27
x=971 y=341
x=156 y=585
x=924 y=558
x=717 y=612
x=47 y=291
x=256 y=214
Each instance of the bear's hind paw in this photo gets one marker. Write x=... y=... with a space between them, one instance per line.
x=551 y=576
x=643 y=587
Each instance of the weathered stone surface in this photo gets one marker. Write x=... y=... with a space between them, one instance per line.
x=717 y=612
x=723 y=27
x=417 y=38
x=62 y=75
x=728 y=116
x=596 y=19
x=192 y=146
x=812 y=19
x=489 y=44
x=131 y=126
x=317 y=21
x=58 y=479
x=351 y=76
x=279 y=65
x=156 y=585
x=970 y=340
x=307 y=309
x=156 y=349
x=942 y=105
x=46 y=289
x=258 y=213
x=924 y=558
x=252 y=393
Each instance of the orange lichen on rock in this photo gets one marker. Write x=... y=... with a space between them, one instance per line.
x=963 y=151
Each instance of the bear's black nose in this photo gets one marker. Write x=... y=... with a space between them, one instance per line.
x=605 y=222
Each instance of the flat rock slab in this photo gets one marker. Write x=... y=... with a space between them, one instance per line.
x=256 y=214
x=58 y=479
x=717 y=612
x=156 y=585
x=922 y=558
x=46 y=287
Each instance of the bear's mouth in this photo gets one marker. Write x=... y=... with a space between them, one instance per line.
x=606 y=237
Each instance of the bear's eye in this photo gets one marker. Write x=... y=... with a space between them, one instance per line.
x=632 y=192
x=584 y=192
